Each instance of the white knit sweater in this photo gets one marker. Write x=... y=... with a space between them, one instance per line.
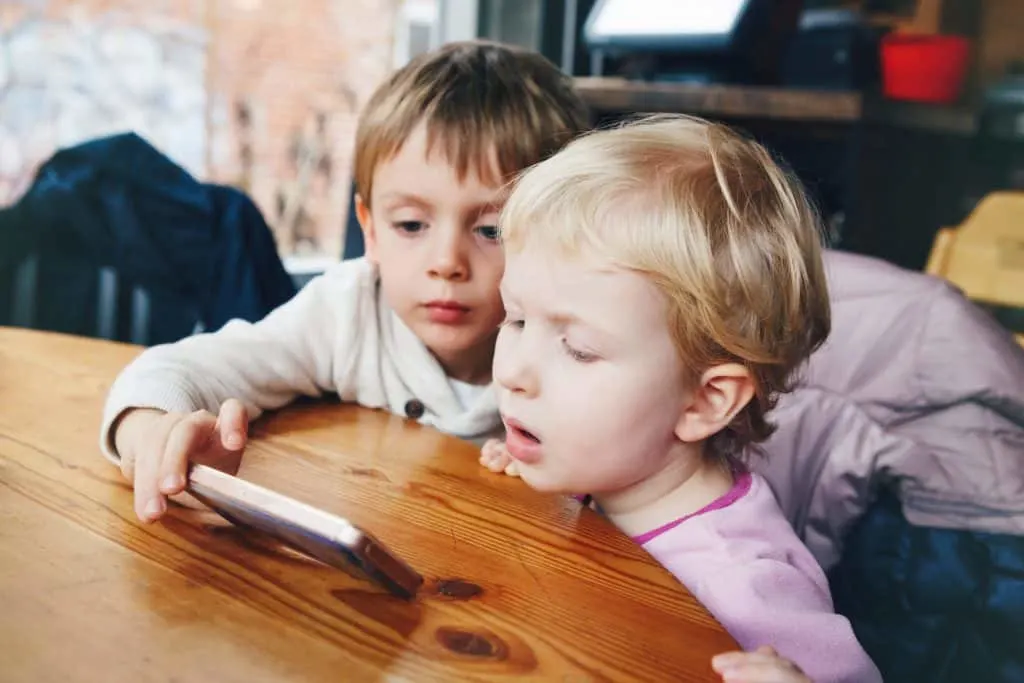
x=336 y=335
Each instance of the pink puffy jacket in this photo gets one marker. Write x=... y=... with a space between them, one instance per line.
x=916 y=387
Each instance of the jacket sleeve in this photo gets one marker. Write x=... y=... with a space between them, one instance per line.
x=824 y=463
x=265 y=365
x=989 y=363
x=767 y=602
x=943 y=382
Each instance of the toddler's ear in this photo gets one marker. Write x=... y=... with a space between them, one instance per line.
x=722 y=392
x=365 y=219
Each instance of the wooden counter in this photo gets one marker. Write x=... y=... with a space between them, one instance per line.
x=727 y=101
x=772 y=103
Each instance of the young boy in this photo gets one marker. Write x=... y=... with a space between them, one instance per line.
x=410 y=328
x=663 y=280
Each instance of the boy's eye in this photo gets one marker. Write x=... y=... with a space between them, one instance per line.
x=489 y=232
x=576 y=354
x=409 y=227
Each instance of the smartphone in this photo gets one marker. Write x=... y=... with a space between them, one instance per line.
x=327 y=537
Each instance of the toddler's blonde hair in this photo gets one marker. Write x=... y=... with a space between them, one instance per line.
x=727 y=236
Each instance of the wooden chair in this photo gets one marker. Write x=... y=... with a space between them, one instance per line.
x=984 y=256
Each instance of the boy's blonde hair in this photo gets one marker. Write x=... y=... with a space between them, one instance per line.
x=728 y=237
x=476 y=98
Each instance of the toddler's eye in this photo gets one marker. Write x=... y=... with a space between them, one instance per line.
x=577 y=355
x=515 y=323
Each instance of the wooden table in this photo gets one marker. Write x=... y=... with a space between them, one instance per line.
x=519 y=585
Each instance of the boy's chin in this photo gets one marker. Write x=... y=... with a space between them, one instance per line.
x=449 y=341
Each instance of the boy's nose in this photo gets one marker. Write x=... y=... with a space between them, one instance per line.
x=448 y=261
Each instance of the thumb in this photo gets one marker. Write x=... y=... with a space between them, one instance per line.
x=233 y=425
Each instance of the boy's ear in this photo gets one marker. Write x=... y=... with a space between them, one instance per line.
x=365 y=219
x=722 y=392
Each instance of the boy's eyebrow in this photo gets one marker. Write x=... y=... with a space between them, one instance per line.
x=393 y=198
x=487 y=207
x=402 y=198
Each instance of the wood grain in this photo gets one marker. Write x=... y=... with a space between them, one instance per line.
x=727 y=101
x=519 y=585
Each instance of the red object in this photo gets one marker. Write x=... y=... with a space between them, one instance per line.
x=924 y=68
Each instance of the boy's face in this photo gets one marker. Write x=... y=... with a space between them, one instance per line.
x=435 y=241
x=590 y=384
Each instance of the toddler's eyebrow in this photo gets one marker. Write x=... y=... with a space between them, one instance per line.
x=565 y=319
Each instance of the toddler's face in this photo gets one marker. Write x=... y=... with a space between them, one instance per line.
x=435 y=240
x=591 y=386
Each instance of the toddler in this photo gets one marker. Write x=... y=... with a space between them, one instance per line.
x=662 y=282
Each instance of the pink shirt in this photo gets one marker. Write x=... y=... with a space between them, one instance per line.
x=743 y=561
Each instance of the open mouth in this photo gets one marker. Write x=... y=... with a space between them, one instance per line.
x=525 y=433
x=523 y=445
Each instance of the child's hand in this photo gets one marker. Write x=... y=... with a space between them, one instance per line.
x=764 y=665
x=156 y=448
x=494 y=456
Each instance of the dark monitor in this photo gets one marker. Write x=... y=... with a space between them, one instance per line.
x=705 y=40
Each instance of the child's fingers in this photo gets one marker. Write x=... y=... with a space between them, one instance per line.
x=761 y=666
x=128 y=467
x=774 y=671
x=491 y=449
x=128 y=434
x=496 y=463
x=512 y=468
x=493 y=456
x=149 y=502
x=188 y=436
x=727 y=660
x=731 y=659
x=233 y=425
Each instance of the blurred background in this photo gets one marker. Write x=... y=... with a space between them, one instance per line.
x=259 y=94
x=899 y=115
